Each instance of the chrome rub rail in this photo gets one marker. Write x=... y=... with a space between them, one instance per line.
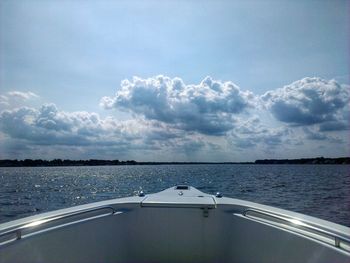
x=54 y=222
x=290 y=223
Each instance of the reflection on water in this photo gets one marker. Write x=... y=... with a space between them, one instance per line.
x=318 y=190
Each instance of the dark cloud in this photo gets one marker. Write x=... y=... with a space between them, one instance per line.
x=245 y=142
x=320 y=136
x=307 y=101
x=188 y=146
x=334 y=126
x=50 y=127
x=252 y=133
x=315 y=135
x=207 y=108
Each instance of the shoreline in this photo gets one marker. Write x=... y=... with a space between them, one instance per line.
x=96 y=162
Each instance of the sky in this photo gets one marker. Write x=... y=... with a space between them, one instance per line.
x=174 y=80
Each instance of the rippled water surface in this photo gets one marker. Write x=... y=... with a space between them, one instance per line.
x=318 y=190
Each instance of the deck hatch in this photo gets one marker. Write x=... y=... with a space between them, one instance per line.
x=179 y=201
x=182 y=187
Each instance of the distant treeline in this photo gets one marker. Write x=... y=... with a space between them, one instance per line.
x=91 y=162
x=95 y=162
x=59 y=162
x=319 y=160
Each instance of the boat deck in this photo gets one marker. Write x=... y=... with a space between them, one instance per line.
x=179 y=224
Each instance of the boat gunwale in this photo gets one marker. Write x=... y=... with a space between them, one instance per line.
x=116 y=206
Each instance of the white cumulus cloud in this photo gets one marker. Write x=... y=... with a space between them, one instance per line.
x=175 y=121
x=208 y=108
x=309 y=101
x=22 y=95
x=15 y=99
x=49 y=126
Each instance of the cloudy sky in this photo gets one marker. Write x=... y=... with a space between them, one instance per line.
x=174 y=80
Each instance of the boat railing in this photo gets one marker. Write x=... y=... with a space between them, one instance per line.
x=301 y=226
x=53 y=222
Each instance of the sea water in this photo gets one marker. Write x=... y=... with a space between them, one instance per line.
x=318 y=190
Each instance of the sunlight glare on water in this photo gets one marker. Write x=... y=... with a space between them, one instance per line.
x=317 y=190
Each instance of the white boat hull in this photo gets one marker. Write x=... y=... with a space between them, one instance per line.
x=175 y=225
